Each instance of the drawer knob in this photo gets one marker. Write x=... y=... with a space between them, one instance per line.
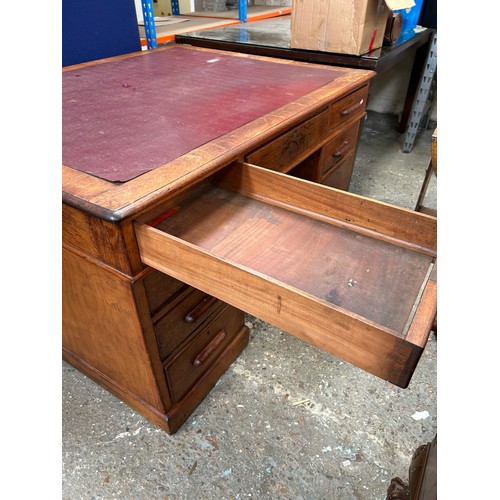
x=353 y=107
x=200 y=309
x=205 y=354
x=342 y=149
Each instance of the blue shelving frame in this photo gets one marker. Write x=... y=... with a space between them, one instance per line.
x=149 y=18
x=242 y=11
x=149 y=23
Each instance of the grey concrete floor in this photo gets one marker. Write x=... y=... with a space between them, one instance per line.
x=286 y=421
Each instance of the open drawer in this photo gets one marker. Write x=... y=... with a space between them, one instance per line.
x=353 y=276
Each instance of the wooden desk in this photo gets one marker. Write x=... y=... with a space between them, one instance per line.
x=170 y=232
x=271 y=37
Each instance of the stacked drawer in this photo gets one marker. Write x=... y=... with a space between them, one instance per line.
x=337 y=159
x=321 y=149
x=338 y=155
x=192 y=330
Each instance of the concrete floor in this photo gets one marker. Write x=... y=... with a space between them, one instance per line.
x=286 y=421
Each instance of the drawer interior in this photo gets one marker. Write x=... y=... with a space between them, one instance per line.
x=351 y=275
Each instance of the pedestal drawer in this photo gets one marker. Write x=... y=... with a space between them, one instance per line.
x=182 y=316
x=159 y=289
x=201 y=352
x=350 y=275
x=288 y=149
x=345 y=108
x=338 y=149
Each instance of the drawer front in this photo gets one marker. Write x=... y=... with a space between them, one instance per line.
x=181 y=317
x=201 y=352
x=159 y=289
x=340 y=176
x=338 y=149
x=345 y=108
x=348 y=274
x=285 y=152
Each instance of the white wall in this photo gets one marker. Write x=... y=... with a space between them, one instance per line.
x=388 y=90
x=138 y=9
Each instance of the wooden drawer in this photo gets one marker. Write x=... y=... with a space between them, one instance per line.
x=345 y=108
x=338 y=149
x=181 y=316
x=202 y=351
x=160 y=288
x=350 y=275
x=286 y=151
x=340 y=176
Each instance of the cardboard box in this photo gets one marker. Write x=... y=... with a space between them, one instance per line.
x=343 y=26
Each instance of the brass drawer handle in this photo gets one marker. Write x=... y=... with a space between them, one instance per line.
x=342 y=150
x=200 y=309
x=353 y=107
x=205 y=354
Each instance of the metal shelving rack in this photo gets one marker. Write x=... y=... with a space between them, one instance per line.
x=149 y=23
x=175 y=8
x=242 y=9
x=149 y=18
x=422 y=97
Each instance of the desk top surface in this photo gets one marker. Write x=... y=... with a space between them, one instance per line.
x=272 y=37
x=148 y=123
x=128 y=117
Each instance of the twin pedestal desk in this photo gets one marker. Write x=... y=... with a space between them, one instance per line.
x=199 y=185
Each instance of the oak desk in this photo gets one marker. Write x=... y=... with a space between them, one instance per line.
x=271 y=37
x=183 y=207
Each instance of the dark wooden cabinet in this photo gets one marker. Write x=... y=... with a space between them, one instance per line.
x=166 y=242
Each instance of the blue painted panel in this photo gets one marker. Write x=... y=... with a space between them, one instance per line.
x=93 y=29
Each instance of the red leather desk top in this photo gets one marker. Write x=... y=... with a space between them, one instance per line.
x=127 y=117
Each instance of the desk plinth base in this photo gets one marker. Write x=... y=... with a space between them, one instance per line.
x=173 y=419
